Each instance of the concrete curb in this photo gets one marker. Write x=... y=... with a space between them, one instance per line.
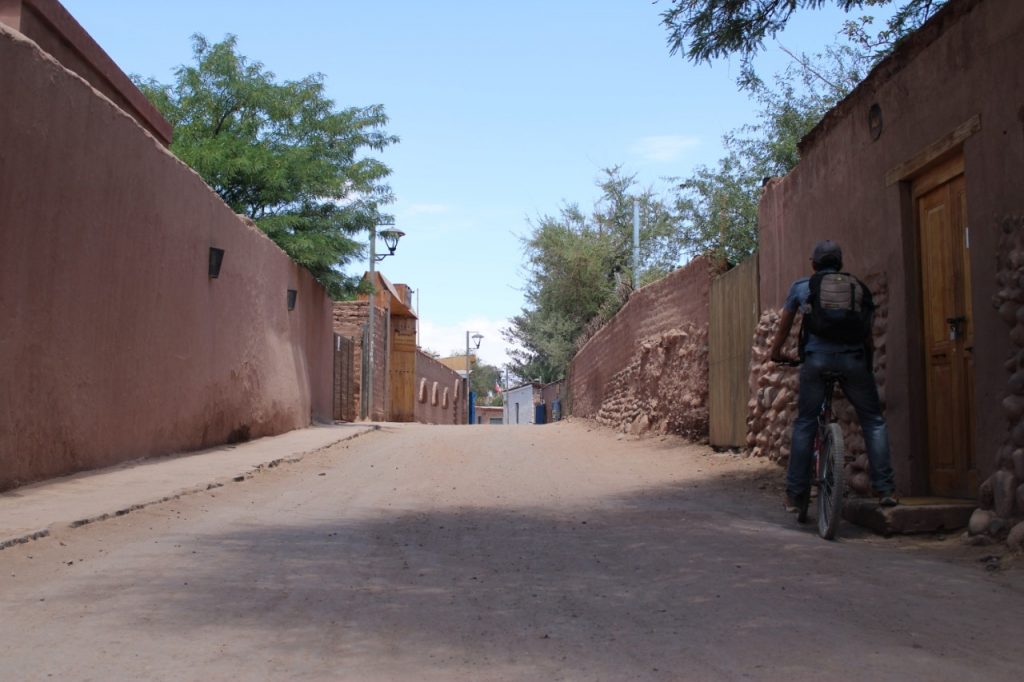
x=218 y=482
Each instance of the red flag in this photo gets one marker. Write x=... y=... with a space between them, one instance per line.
x=497 y=386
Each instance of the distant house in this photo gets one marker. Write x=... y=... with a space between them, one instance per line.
x=491 y=415
x=521 y=403
x=459 y=363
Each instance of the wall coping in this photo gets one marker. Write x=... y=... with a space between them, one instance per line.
x=905 y=52
x=63 y=26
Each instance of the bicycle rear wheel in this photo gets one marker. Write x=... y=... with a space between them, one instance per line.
x=830 y=482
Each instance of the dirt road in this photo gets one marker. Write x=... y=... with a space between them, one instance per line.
x=501 y=553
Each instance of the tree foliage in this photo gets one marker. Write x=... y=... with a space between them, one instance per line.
x=483 y=380
x=717 y=206
x=579 y=269
x=703 y=30
x=280 y=153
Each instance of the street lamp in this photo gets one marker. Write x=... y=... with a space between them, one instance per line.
x=477 y=338
x=390 y=237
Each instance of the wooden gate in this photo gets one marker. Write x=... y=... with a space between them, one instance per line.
x=734 y=316
x=344 y=379
x=402 y=369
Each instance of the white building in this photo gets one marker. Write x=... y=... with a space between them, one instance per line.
x=521 y=403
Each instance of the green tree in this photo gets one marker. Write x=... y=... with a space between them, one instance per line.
x=483 y=380
x=280 y=153
x=579 y=269
x=703 y=30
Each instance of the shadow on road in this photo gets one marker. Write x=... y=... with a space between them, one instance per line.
x=680 y=577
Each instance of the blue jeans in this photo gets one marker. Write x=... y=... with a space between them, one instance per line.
x=858 y=384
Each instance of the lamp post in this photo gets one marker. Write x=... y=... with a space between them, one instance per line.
x=390 y=237
x=477 y=337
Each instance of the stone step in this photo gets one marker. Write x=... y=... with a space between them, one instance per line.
x=911 y=515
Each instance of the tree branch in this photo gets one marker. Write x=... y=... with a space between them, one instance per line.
x=803 y=62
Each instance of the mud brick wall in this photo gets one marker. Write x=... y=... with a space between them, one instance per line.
x=548 y=394
x=773 y=390
x=440 y=397
x=350 y=319
x=647 y=368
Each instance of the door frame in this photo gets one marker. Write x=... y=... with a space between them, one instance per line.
x=901 y=178
x=944 y=170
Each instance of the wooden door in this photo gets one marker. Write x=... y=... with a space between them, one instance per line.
x=948 y=329
x=403 y=370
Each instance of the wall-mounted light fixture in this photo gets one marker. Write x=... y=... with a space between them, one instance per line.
x=216 y=258
x=292 y=295
x=875 y=121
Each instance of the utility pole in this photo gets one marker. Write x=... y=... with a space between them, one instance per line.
x=636 y=243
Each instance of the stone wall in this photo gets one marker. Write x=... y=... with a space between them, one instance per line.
x=664 y=389
x=774 y=388
x=647 y=368
x=1001 y=495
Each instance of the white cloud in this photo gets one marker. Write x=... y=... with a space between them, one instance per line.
x=447 y=339
x=662 y=148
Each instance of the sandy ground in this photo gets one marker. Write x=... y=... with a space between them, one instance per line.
x=561 y=552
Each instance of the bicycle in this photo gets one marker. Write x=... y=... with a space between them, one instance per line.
x=827 y=462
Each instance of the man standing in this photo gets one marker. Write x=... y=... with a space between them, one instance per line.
x=835 y=337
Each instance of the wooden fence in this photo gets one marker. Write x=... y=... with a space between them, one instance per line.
x=735 y=311
x=344 y=379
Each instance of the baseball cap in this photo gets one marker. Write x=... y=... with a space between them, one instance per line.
x=826 y=250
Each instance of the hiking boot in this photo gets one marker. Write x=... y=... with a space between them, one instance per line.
x=797 y=504
x=889 y=499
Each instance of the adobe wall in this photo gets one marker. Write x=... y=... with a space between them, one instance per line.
x=114 y=342
x=58 y=33
x=647 y=368
x=440 y=398
x=968 y=61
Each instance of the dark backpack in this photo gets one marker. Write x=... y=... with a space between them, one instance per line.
x=839 y=309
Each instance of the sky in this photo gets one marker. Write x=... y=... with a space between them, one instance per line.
x=506 y=112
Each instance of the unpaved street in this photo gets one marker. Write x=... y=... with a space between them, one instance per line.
x=501 y=553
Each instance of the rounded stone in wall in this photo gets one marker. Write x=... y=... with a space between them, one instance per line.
x=433 y=394
x=422 y=394
x=979 y=523
x=860 y=483
x=1018 y=466
x=1015 y=539
x=1004 y=491
x=444 y=398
